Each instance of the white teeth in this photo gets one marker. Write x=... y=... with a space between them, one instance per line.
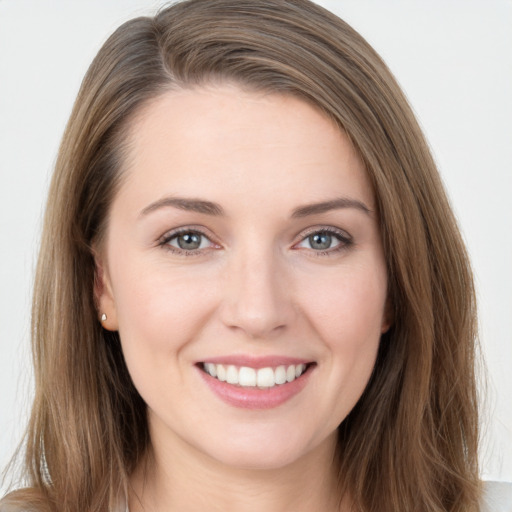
x=250 y=377
x=265 y=378
x=232 y=375
x=247 y=377
x=211 y=369
x=221 y=372
x=280 y=375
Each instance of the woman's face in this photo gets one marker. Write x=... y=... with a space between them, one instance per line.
x=244 y=242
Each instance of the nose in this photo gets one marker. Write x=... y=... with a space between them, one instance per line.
x=257 y=296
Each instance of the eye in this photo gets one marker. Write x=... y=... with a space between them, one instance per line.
x=325 y=240
x=322 y=241
x=187 y=241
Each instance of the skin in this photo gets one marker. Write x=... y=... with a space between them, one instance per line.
x=256 y=286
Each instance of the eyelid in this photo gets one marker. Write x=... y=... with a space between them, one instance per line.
x=343 y=236
x=164 y=240
x=341 y=233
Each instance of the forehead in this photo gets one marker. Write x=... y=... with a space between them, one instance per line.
x=222 y=140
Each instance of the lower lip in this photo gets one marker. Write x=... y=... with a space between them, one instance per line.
x=255 y=398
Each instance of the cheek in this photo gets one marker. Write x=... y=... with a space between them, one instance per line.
x=160 y=314
x=159 y=311
x=348 y=304
x=347 y=312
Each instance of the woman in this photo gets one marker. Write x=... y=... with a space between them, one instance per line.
x=251 y=289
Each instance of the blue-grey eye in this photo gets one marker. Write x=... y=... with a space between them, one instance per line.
x=320 y=241
x=189 y=241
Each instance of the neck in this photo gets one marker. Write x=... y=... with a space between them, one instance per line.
x=185 y=480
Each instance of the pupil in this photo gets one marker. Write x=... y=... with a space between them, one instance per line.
x=189 y=241
x=320 y=241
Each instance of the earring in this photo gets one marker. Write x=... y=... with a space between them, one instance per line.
x=103 y=317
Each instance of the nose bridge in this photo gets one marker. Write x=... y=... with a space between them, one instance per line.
x=255 y=298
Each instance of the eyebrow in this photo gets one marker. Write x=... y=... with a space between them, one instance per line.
x=334 y=204
x=210 y=208
x=191 y=205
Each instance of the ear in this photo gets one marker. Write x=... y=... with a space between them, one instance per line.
x=388 y=318
x=103 y=294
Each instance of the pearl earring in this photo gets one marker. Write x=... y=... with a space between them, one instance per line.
x=103 y=317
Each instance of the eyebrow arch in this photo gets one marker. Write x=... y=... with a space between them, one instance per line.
x=188 y=204
x=334 y=204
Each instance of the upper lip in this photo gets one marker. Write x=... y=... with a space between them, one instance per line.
x=256 y=361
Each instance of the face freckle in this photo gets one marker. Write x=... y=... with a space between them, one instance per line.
x=243 y=242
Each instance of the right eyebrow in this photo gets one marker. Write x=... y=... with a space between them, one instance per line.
x=334 y=204
x=183 y=203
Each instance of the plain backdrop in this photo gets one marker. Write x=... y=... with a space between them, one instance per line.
x=452 y=57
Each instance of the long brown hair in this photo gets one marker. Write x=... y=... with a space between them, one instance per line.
x=411 y=441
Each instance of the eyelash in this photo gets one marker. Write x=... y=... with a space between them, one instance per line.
x=165 y=240
x=345 y=240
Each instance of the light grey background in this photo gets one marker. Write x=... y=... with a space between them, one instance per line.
x=452 y=57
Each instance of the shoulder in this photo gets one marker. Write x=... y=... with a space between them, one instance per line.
x=497 y=497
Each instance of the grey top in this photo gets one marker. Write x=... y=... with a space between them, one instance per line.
x=497 y=497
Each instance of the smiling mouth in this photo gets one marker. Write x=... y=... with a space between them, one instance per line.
x=262 y=378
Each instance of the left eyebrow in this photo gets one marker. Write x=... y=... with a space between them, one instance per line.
x=334 y=204
x=188 y=204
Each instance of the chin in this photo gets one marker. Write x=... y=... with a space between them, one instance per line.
x=265 y=450
x=252 y=458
